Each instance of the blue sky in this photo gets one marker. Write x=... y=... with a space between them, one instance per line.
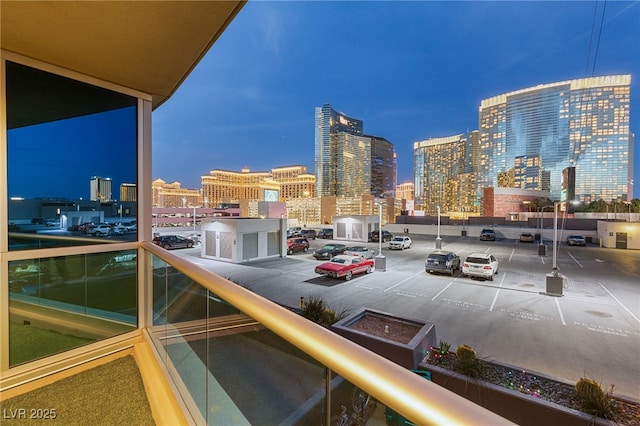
x=409 y=70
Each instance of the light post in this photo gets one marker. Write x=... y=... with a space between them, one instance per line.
x=380 y=260
x=438 y=239
x=194 y=218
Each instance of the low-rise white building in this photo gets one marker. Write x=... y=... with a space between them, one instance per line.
x=239 y=240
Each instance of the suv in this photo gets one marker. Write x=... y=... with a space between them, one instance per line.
x=442 y=261
x=309 y=234
x=576 y=240
x=386 y=236
x=173 y=241
x=297 y=244
x=480 y=265
x=99 y=229
x=488 y=235
x=325 y=233
x=400 y=243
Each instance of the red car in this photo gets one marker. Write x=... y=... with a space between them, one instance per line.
x=345 y=266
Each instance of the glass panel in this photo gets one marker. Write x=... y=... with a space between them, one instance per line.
x=235 y=370
x=71 y=154
x=58 y=303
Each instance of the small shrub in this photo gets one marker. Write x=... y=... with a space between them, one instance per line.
x=467 y=362
x=444 y=347
x=316 y=310
x=594 y=400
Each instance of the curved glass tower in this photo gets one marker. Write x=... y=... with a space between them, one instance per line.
x=540 y=131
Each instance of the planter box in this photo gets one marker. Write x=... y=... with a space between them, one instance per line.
x=522 y=409
x=401 y=340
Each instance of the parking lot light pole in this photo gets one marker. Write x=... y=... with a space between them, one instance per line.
x=438 y=239
x=380 y=260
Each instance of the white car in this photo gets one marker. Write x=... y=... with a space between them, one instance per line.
x=400 y=243
x=480 y=265
x=360 y=251
x=100 y=229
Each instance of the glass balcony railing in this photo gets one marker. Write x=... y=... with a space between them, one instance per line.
x=237 y=358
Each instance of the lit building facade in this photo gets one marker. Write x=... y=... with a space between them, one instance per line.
x=295 y=182
x=405 y=191
x=332 y=131
x=383 y=168
x=539 y=131
x=224 y=186
x=445 y=172
x=128 y=192
x=173 y=195
x=100 y=189
x=349 y=163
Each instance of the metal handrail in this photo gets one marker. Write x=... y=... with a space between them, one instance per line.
x=415 y=398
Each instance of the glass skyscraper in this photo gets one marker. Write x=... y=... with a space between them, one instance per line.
x=348 y=163
x=540 y=131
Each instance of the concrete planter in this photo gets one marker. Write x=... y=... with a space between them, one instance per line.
x=404 y=341
x=522 y=409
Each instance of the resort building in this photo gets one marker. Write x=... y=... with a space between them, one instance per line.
x=445 y=173
x=295 y=182
x=528 y=136
x=100 y=189
x=349 y=163
x=173 y=195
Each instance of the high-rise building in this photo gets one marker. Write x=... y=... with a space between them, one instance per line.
x=349 y=163
x=128 y=192
x=100 y=189
x=539 y=131
x=445 y=172
x=225 y=186
x=383 y=168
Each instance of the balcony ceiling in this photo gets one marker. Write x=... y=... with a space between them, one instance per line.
x=149 y=46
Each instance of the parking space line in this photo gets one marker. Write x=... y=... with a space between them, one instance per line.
x=441 y=291
x=510 y=257
x=542 y=259
x=560 y=312
x=619 y=302
x=576 y=260
x=400 y=282
x=495 y=298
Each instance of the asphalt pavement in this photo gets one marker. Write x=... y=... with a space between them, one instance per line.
x=592 y=330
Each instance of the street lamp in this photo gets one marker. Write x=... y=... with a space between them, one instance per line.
x=380 y=260
x=438 y=239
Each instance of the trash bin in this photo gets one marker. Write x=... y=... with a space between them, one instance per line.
x=542 y=250
x=381 y=263
x=464 y=233
x=438 y=243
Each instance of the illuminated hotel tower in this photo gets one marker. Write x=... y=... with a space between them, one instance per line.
x=100 y=189
x=348 y=163
x=580 y=123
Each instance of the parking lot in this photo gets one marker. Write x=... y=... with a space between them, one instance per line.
x=592 y=330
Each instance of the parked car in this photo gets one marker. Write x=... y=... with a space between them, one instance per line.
x=526 y=237
x=52 y=222
x=345 y=266
x=328 y=251
x=173 y=241
x=98 y=230
x=325 y=233
x=488 y=235
x=386 y=236
x=481 y=265
x=400 y=243
x=309 y=234
x=442 y=261
x=118 y=229
x=360 y=251
x=293 y=231
x=297 y=244
x=576 y=240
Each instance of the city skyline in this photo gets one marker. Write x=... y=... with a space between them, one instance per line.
x=409 y=70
